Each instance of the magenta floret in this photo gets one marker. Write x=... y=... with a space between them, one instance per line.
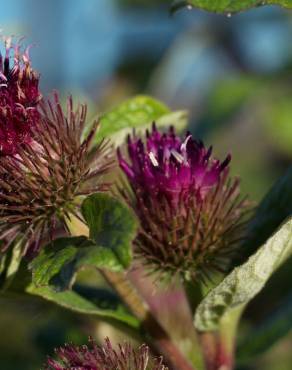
x=19 y=97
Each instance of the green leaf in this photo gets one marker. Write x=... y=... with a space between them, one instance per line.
x=111 y=225
x=228 y=6
x=73 y=301
x=137 y=111
x=244 y=282
x=272 y=211
x=178 y=119
x=59 y=262
x=267 y=334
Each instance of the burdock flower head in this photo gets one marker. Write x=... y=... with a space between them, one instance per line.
x=190 y=211
x=19 y=97
x=40 y=187
x=94 y=357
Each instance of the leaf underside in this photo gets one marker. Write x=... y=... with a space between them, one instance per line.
x=245 y=281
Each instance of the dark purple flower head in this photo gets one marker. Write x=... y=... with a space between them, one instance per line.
x=189 y=210
x=94 y=357
x=41 y=185
x=170 y=167
x=19 y=97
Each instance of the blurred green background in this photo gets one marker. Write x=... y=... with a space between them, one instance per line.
x=233 y=74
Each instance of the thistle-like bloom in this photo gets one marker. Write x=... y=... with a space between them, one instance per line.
x=19 y=97
x=40 y=186
x=190 y=211
x=94 y=357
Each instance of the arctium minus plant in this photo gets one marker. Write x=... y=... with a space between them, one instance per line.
x=190 y=210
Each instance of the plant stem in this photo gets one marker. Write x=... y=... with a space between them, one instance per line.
x=218 y=346
x=159 y=337
x=209 y=345
x=227 y=332
x=215 y=353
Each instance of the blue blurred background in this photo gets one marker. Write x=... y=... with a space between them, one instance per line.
x=233 y=74
x=229 y=72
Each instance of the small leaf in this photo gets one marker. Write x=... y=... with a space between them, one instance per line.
x=73 y=301
x=135 y=112
x=111 y=225
x=229 y=6
x=245 y=281
x=59 y=262
x=272 y=211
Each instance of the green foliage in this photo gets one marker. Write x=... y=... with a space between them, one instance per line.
x=228 y=6
x=111 y=225
x=59 y=262
x=75 y=302
x=112 y=228
x=177 y=119
x=245 y=281
x=138 y=112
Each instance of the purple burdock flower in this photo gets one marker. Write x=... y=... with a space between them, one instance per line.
x=190 y=211
x=41 y=186
x=94 y=357
x=19 y=97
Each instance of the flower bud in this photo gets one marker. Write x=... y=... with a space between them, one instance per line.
x=189 y=209
x=105 y=357
x=19 y=98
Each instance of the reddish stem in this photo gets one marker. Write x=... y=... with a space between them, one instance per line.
x=216 y=355
x=160 y=339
